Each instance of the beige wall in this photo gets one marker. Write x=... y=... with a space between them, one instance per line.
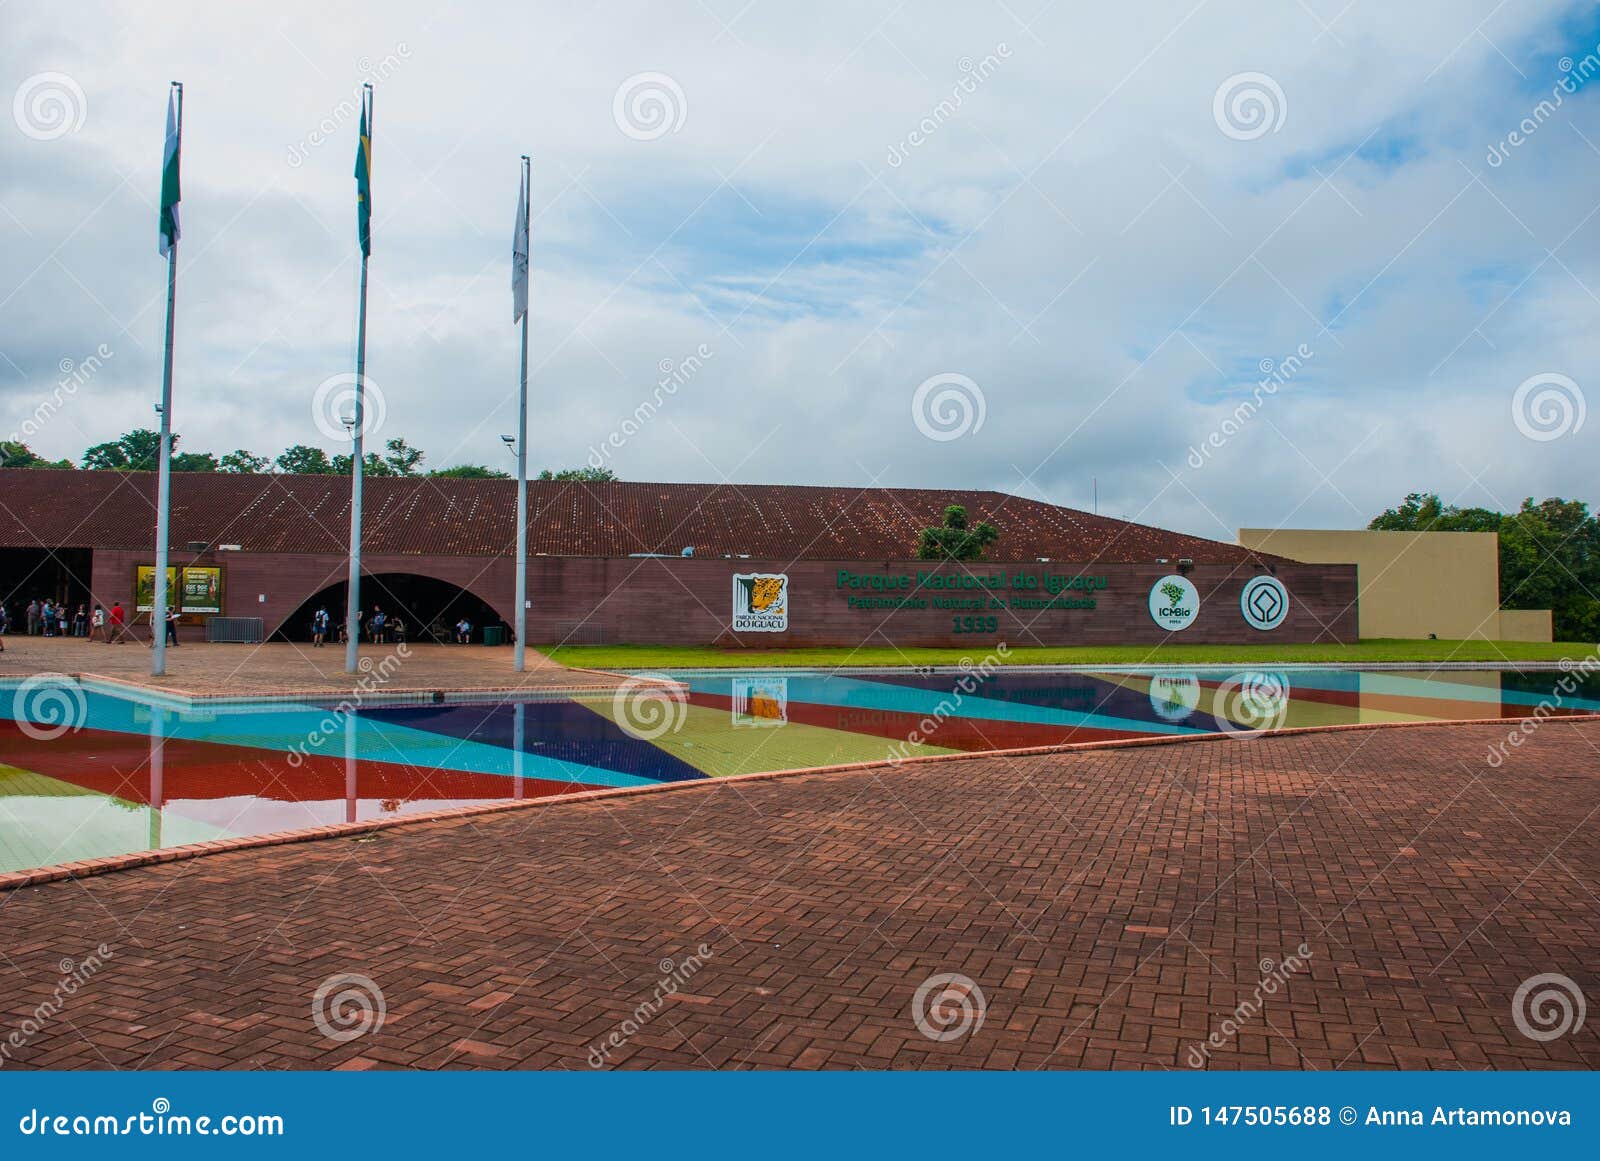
x=1525 y=625
x=1415 y=583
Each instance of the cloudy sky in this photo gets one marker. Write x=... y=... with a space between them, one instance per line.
x=1097 y=233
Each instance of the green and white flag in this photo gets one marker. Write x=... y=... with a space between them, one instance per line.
x=169 y=177
x=364 y=176
x=519 y=255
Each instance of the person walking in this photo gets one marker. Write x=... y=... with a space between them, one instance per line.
x=319 y=627
x=97 y=625
x=119 y=634
x=172 y=627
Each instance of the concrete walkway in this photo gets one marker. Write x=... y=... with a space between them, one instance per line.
x=1352 y=899
x=198 y=669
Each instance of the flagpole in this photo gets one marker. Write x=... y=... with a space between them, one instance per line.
x=520 y=654
x=352 y=618
x=158 y=611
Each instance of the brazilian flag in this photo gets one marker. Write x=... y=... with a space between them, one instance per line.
x=364 y=178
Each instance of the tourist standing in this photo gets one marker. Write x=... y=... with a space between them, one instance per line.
x=378 y=622
x=319 y=627
x=172 y=627
x=33 y=617
x=47 y=614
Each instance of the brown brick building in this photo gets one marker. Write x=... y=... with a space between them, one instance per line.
x=647 y=562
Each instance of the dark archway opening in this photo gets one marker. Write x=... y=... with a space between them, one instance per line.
x=429 y=607
x=39 y=574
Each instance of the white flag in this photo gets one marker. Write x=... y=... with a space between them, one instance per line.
x=519 y=255
x=169 y=178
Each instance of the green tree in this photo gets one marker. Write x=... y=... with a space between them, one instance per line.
x=1423 y=512
x=133 y=451
x=581 y=475
x=402 y=458
x=20 y=455
x=470 y=472
x=194 y=462
x=953 y=540
x=1549 y=554
x=243 y=463
x=304 y=460
x=371 y=465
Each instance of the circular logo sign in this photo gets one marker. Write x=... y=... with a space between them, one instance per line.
x=1174 y=603
x=1264 y=602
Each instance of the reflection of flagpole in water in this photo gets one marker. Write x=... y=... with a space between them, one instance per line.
x=350 y=766
x=518 y=714
x=158 y=746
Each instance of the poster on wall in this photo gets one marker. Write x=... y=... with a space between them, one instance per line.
x=202 y=589
x=144 y=588
x=760 y=602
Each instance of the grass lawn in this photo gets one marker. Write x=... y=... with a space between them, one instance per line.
x=704 y=657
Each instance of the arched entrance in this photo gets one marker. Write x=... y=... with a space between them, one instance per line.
x=429 y=607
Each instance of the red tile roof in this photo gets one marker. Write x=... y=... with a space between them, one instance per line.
x=431 y=516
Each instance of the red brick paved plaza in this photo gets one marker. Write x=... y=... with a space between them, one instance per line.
x=1114 y=907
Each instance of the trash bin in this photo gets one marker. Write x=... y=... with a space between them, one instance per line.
x=494 y=635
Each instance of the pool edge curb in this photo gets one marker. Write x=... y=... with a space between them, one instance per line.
x=15 y=880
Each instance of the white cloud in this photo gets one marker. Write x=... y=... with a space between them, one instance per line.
x=1078 y=237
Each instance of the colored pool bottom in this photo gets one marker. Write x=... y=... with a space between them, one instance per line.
x=85 y=774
